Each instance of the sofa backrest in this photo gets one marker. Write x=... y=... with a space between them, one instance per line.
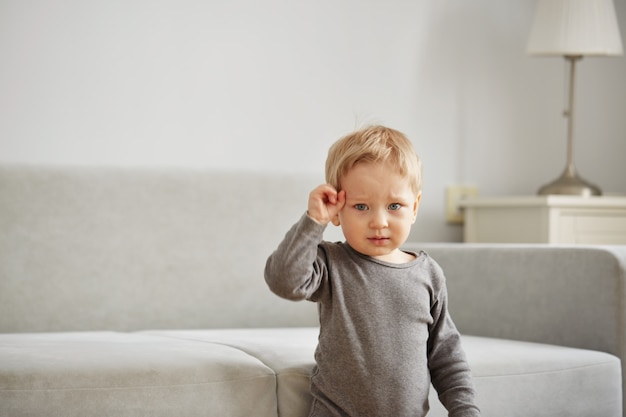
x=572 y=295
x=144 y=248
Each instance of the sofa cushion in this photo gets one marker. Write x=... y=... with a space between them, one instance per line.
x=561 y=381
x=117 y=374
x=288 y=351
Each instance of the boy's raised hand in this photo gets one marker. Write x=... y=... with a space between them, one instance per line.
x=325 y=203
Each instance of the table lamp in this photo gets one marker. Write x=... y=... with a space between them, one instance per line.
x=573 y=29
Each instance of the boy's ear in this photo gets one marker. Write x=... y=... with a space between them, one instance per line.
x=341 y=196
x=416 y=205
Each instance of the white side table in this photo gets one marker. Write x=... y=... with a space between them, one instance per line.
x=546 y=219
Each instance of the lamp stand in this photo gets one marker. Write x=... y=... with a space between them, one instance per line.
x=569 y=183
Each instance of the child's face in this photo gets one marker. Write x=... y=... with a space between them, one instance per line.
x=380 y=209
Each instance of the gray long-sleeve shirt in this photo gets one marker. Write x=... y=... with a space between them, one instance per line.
x=385 y=330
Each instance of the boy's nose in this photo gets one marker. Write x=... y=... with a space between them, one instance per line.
x=378 y=220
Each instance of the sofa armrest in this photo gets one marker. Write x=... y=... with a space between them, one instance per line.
x=564 y=295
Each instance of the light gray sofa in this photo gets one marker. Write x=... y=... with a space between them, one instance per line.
x=140 y=292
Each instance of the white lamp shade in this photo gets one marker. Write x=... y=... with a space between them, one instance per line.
x=575 y=27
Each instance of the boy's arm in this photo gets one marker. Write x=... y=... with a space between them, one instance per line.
x=450 y=373
x=293 y=271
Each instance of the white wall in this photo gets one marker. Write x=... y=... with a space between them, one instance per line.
x=269 y=85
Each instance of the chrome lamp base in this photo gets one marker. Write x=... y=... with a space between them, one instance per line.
x=570 y=184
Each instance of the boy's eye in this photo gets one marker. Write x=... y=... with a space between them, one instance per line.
x=395 y=206
x=360 y=207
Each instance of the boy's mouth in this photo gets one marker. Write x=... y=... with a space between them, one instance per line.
x=378 y=240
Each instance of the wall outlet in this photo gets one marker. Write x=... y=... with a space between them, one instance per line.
x=454 y=195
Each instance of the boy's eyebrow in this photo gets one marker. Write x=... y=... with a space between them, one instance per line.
x=398 y=197
x=356 y=197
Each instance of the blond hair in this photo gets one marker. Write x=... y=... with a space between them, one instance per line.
x=374 y=144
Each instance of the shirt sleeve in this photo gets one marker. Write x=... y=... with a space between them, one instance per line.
x=450 y=372
x=294 y=270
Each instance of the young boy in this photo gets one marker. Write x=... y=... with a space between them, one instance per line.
x=385 y=330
